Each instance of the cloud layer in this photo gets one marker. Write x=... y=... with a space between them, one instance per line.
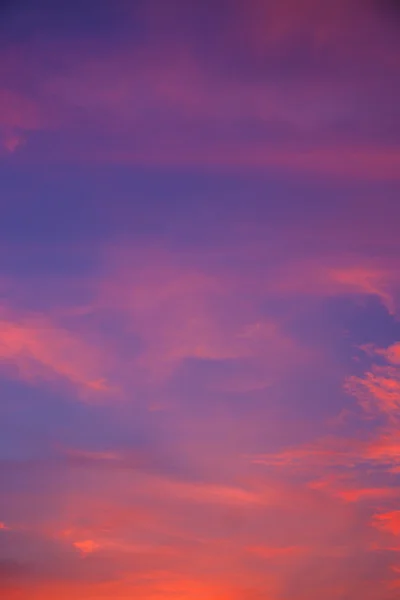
x=200 y=299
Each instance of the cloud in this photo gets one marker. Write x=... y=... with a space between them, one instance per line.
x=379 y=388
x=333 y=276
x=41 y=350
x=389 y=521
x=223 y=473
x=163 y=98
x=86 y=547
x=181 y=313
x=189 y=538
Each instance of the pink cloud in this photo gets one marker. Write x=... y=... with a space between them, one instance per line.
x=379 y=388
x=335 y=275
x=183 y=312
x=35 y=349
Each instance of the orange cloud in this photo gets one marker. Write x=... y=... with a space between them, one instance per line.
x=389 y=521
x=385 y=449
x=198 y=539
x=345 y=488
x=86 y=547
x=357 y=495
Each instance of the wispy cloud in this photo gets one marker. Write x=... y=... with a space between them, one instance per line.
x=199 y=267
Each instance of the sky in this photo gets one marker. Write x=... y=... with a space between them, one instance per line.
x=199 y=300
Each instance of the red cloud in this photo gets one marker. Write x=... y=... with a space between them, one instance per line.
x=389 y=521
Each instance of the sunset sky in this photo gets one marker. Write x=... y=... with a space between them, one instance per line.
x=200 y=300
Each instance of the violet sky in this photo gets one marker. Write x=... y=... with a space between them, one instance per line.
x=200 y=300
